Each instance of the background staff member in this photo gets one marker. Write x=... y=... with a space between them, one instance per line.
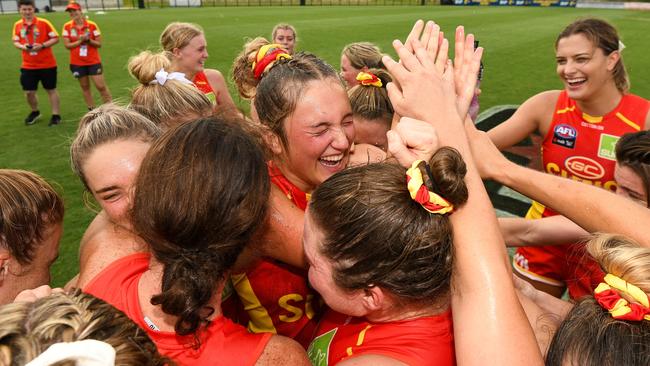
x=34 y=36
x=83 y=37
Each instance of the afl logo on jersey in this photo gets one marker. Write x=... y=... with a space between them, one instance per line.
x=585 y=168
x=565 y=135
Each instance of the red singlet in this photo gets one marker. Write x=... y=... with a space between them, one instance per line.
x=222 y=341
x=579 y=147
x=418 y=342
x=201 y=83
x=275 y=296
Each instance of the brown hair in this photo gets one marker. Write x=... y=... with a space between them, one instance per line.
x=29 y=328
x=28 y=206
x=242 y=73
x=589 y=335
x=201 y=192
x=284 y=26
x=105 y=124
x=371 y=102
x=633 y=151
x=169 y=104
x=376 y=235
x=363 y=54
x=178 y=35
x=604 y=36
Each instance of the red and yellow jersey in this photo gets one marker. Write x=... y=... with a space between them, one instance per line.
x=39 y=31
x=222 y=342
x=84 y=54
x=579 y=147
x=417 y=342
x=201 y=83
x=582 y=147
x=275 y=296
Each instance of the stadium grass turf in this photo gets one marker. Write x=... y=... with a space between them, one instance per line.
x=519 y=62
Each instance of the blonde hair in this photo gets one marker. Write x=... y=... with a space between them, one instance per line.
x=29 y=328
x=284 y=26
x=589 y=335
x=28 y=205
x=371 y=102
x=363 y=54
x=105 y=124
x=178 y=35
x=242 y=73
x=164 y=104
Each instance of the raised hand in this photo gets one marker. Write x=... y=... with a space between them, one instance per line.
x=467 y=63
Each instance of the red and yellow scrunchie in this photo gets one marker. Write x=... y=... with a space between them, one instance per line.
x=368 y=79
x=266 y=55
x=431 y=201
x=608 y=296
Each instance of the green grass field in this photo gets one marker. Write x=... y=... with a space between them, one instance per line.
x=519 y=62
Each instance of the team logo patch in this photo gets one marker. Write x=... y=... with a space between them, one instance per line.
x=565 y=135
x=318 y=351
x=607 y=146
x=584 y=168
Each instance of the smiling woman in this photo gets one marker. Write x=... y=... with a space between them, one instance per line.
x=581 y=125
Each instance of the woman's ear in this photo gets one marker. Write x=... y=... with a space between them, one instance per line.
x=273 y=142
x=613 y=59
x=373 y=298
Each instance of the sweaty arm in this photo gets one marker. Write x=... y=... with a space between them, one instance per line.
x=535 y=114
x=553 y=230
x=220 y=87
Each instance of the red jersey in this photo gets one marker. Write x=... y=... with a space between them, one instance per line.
x=201 y=83
x=417 y=342
x=39 y=31
x=221 y=343
x=84 y=54
x=579 y=147
x=275 y=296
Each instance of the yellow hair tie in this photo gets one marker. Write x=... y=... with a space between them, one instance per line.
x=431 y=201
x=266 y=55
x=368 y=79
x=619 y=307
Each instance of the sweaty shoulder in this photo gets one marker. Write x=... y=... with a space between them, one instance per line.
x=102 y=244
x=283 y=351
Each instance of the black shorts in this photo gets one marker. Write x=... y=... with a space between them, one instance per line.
x=81 y=71
x=29 y=78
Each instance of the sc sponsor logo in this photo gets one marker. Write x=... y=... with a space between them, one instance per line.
x=584 y=167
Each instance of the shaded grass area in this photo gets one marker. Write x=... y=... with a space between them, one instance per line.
x=519 y=62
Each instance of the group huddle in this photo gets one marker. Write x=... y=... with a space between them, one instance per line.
x=344 y=221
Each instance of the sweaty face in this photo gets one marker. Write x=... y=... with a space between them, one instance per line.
x=286 y=38
x=319 y=134
x=582 y=67
x=348 y=72
x=630 y=185
x=27 y=12
x=110 y=171
x=320 y=274
x=371 y=131
x=191 y=58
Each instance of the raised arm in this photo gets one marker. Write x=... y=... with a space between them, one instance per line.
x=553 y=230
x=483 y=297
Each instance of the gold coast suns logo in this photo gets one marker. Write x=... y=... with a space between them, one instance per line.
x=584 y=167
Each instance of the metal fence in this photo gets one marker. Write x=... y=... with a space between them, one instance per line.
x=10 y=6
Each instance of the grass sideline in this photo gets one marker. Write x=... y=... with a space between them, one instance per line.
x=519 y=62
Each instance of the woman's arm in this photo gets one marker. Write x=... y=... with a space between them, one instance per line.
x=535 y=114
x=218 y=84
x=594 y=209
x=483 y=296
x=553 y=230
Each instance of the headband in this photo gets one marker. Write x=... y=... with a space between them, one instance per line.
x=162 y=76
x=608 y=295
x=267 y=55
x=431 y=201
x=88 y=352
x=368 y=79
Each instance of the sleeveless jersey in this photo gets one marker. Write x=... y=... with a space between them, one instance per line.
x=221 y=343
x=275 y=296
x=579 y=147
x=417 y=342
x=201 y=83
